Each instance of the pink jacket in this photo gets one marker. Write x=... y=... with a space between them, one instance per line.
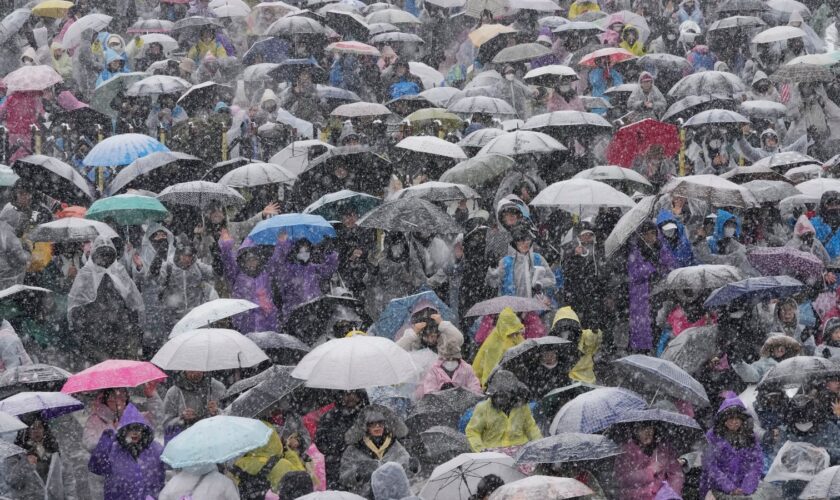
x=534 y=328
x=634 y=472
x=436 y=377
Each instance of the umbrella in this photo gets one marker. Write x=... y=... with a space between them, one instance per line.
x=692 y=348
x=438 y=191
x=439 y=96
x=127 y=209
x=815 y=188
x=296 y=155
x=680 y=431
x=522 y=142
x=788 y=261
x=479 y=170
x=736 y=23
x=798 y=371
x=31 y=79
x=336 y=94
x=37 y=377
x=394 y=37
x=49 y=404
x=802 y=73
x=479 y=138
x=487 y=32
x=636 y=139
x=149 y=26
x=567 y=447
x=351 y=47
x=742 y=175
x=778 y=34
x=577 y=194
x=482 y=104
x=208 y=313
x=158 y=84
x=410 y=215
x=754 y=290
x=257 y=174
x=495 y=305
x=537 y=5
x=52 y=8
x=626 y=17
x=547 y=76
x=107 y=91
x=200 y=194
x=595 y=410
x=330 y=206
x=690 y=105
x=313 y=319
x=656 y=375
x=562 y=121
x=275 y=386
x=208 y=349
x=441 y=408
x=359 y=109
x=230 y=8
x=614 y=54
x=573 y=26
x=156 y=171
x=379 y=28
x=770 y=191
x=785 y=160
x=289 y=69
x=768 y=110
x=73 y=36
x=71 y=229
x=428 y=115
x=707 y=82
x=392 y=16
x=459 y=477
x=628 y=224
x=827 y=60
x=430 y=77
x=398 y=311
x=195 y=22
x=282 y=348
x=54 y=178
x=231 y=437
x=741 y=6
x=14 y=289
x=443 y=443
x=665 y=63
x=556 y=488
x=370 y=169
x=702 y=277
x=259 y=72
x=297 y=226
x=122 y=149
x=113 y=373
x=83 y=118
x=711 y=189
x=357 y=362
x=407 y=104
x=295 y=25
x=826 y=484
x=716 y=117
x=521 y=359
x=618 y=177
x=10 y=423
x=12 y=23
x=520 y=53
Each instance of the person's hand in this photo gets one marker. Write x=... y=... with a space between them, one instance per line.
x=213 y=408
x=648 y=104
x=71 y=271
x=437 y=318
x=830 y=278
x=357 y=254
x=199 y=230
x=32 y=459
x=282 y=237
x=418 y=327
x=293 y=442
x=270 y=209
x=835 y=407
x=188 y=415
x=579 y=250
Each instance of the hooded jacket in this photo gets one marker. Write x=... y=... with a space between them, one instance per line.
x=206 y=485
x=638 y=98
x=107 y=74
x=804 y=227
x=389 y=482
x=490 y=427
x=715 y=241
x=638 y=48
x=255 y=460
x=828 y=236
x=257 y=288
x=681 y=252
x=634 y=475
x=506 y=334
x=127 y=477
x=13 y=256
x=588 y=345
x=770 y=95
x=301 y=281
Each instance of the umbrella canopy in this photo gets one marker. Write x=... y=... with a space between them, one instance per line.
x=759 y=109
x=736 y=23
x=52 y=8
x=497 y=304
x=710 y=189
x=209 y=349
x=680 y=431
x=8 y=177
x=567 y=447
x=798 y=371
x=392 y=16
x=480 y=138
x=149 y=26
x=743 y=175
x=275 y=384
x=358 y=362
x=431 y=145
x=771 y=191
x=295 y=157
x=31 y=79
x=232 y=437
x=204 y=95
x=690 y=105
x=783 y=161
x=742 y=6
x=628 y=224
x=707 y=82
x=444 y=442
x=394 y=37
x=282 y=348
x=438 y=191
x=441 y=408
x=778 y=34
x=428 y=115
x=399 y=310
x=595 y=410
x=55 y=178
x=556 y=488
x=702 y=277
x=122 y=149
x=156 y=171
x=295 y=25
x=826 y=484
x=73 y=36
x=578 y=194
x=167 y=43
x=410 y=215
x=259 y=72
x=786 y=261
x=406 y=104
x=522 y=142
x=297 y=226
x=654 y=375
x=614 y=54
x=521 y=359
x=200 y=194
x=257 y=174
x=127 y=209
x=815 y=188
x=48 y=404
x=618 y=177
x=565 y=121
x=802 y=73
x=638 y=138
x=520 y=53
x=692 y=348
x=482 y=104
x=359 y=109
x=71 y=230
x=716 y=117
x=330 y=206
x=754 y=290
x=439 y=96
x=459 y=477
x=113 y=373
x=548 y=76
x=10 y=423
x=158 y=84
x=106 y=91
x=36 y=377
x=208 y=313
x=14 y=289
x=12 y=23
x=479 y=170
x=313 y=320
x=353 y=47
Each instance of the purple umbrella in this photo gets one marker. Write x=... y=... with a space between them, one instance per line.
x=495 y=306
x=776 y=261
x=50 y=404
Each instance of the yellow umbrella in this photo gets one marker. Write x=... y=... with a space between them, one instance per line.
x=481 y=35
x=427 y=115
x=52 y=8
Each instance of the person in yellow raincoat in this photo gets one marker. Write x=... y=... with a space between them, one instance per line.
x=506 y=334
x=630 y=40
x=505 y=419
x=253 y=463
x=566 y=325
x=580 y=7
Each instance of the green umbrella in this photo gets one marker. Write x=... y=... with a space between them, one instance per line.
x=127 y=209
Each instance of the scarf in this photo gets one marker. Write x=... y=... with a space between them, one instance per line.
x=378 y=451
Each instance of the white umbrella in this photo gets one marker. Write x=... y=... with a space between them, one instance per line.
x=778 y=34
x=439 y=96
x=158 y=84
x=12 y=23
x=430 y=77
x=482 y=104
x=522 y=142
x=357 y=109
x=614 y=173
x=358 y=362
x=73 y=35
x=577 y=194
x=295 y=157
x=168 y=43
x=392 y=16
x=200 y=194
x=71 y=229
x=207 y=350
x=208 y=313
x=438 y=191
x=628 y=224
x=804 y=172
x=551 y=70
x=711 y=189
x=230 y=8
x=815 y=188
x=257 y=174
x=459 y=477
x=259 y=72
x=480 y=137
x=433 y=146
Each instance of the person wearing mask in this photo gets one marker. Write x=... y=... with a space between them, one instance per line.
x=811 y=112
x=329 y=438
x=564 y=96
x=394 y=272
x=647 y=460
x=648 y=261
x=646 y=101
x=301 y=99
x=630 y=40
x=511 y=211
x=523 y=273
x=506 y=334
x=584 y=273
x=193 y=396
x=827 y=223
x=353 y=245
x=674 y=239
x=804 y=239
x=261 y=470
x=786 y=321
x=724 y=246
x=108 y=408
x=505 y=419
x=449 y=370
x=602 y=77
x=299 y=273
x=762 y=89
x=517 y=94
x=668 y=42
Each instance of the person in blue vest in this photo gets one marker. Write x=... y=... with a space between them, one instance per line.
x=827 y=223
x=674 y=240
x=523 y=272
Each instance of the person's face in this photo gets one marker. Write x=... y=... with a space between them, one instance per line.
x=114 y=65
x=644 y=435
x=251 y=262
x=341 y=172
x=349 y=219
x=835 y=335
x=133 y=436
x=117 y=400
x=510 y=218
x=587 y=238
x=104 y=258
x=350 y=400
x=548 y=358
x=771 y=141
x=733 y=424
x=523 y=246
x=194 y=376
x=305 y=79
x=185 y=261
x=216 y=216
x=57 y=53
x=23 y=199
x=431 y=338
x=154 y=49
x=376 y=429
x=36 y=431
x=779 y=352
x=833 y=386
x=647 y=85
x=649 y=237
x=207 y=35
x=787 y=314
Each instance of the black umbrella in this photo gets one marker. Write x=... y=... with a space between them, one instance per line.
x=521 y=359
x=444 y=443
x=798 y=371
x=689 y=106
x=349 y=24
x=83 y=120
x=654 y=375
x=367 y=173
x=157 y=171
x=314 y=319
x=273 y=385
x=410 y=215
x=289 y=70
x=567 y=447
x=407 y=104
x=54 y=178
x=204 y=96
x=679 y=430
x=219 y=170
x=283 y=349
x=441 y=408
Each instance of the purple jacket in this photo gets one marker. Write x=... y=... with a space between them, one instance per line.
x=127 y=478
x=640 y=272
x=726 y=468
x=301 y=282
x=256 y=289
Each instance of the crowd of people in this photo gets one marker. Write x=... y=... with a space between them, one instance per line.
x=437 y=249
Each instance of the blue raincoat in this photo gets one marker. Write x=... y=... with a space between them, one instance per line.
x=829 y=238
x=722 y=218
x=682 y=253
x=107 y=74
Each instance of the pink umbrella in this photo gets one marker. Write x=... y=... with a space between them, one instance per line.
x=615 y=55
x=351 y=47
x=113 y=373
x=31 y=78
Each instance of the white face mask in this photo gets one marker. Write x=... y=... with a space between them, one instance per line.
x=509 y=77
x=564 y=87
x=729 y=232
x=397 y=251
x=670 y=232
x=451 y=364
x=804 y=427
x=303 y=255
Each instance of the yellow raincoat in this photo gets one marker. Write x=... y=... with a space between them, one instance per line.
x=580 y=7
x=253 y=461
x=491 y=428
x=202 y=48
x=506 y=334
x=588 y=345
x=638 y=48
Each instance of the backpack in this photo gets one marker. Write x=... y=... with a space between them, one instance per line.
x=254 y=487
x=400 y=89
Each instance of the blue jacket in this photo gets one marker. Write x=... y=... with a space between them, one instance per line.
x=107 y=74
x=830 y=239
x=600 y=84
x=507 y=286
x=722 y=218
x=682 y=253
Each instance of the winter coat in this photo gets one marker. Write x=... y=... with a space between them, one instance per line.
x=126 y=477
x=490 y=427
x=358 y=465
x=641 y=273
x=211 y=485
x=802 y=227
x=12 y=352
x=257 y=289
x=539 y=273
x=436 y=377
x=329 y=438
x=255 y=460
x=301 y=282
x=726 y=467
x=13 y=256
x=722 y=250
x=600 y=83
x=634 y=475
x=696 y=15
x=186 y=394
x=506 y=334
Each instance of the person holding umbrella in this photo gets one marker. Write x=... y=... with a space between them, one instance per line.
x=329 y=438
x=300 y=274
x=647 y=101
x=505 y=419
x=647 y=460
x=602 y=77
x=827 y=223
x=524 y=273
x=206 y=44
x=506 y=334
x=40 y=445
x=194 y=396
x=394 y=272
x=449 y=370
x=647 y=261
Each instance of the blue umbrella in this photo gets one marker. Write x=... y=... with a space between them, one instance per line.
x=330 y=205
x=298 y=226
x=754 y=290
x=122 y=149
x=215 y=440
x=596 y=410
x=272 y=50
x=50 y=404
x=398 y=311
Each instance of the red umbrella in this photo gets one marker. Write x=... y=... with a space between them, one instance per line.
x=615 y=54
x=635 y=139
